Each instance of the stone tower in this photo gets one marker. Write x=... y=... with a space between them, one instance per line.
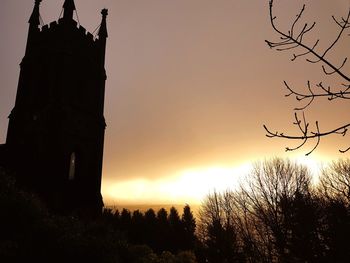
x=56 y=129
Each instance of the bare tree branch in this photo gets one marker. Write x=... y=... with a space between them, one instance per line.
x=291 y=42
x=325 y=92
x=306 y=134
x=294 y=39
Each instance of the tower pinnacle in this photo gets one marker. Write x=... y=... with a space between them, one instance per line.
x=34 y=19
x=69 y=8
x=102 y=33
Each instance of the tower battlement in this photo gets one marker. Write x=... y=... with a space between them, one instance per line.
x=57 y=33
x=52 y=27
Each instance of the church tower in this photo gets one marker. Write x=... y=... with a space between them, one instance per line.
x=56 y=129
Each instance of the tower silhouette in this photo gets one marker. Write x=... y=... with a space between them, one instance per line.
x=56 y=129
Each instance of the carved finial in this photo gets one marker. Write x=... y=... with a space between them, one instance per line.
x=104 y=12
x=69 y=8
x=102 y=33
x=34 y=19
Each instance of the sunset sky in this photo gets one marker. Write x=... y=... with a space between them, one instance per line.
x=190 y=85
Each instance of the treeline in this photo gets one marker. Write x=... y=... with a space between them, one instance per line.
x=280 y=214
x=162 y=231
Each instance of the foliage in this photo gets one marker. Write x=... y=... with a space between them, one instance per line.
x=143 y=254
x=29 y=232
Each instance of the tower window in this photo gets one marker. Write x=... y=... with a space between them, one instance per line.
x=72 y=164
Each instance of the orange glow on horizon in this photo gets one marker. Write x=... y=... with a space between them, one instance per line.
x=187 y=186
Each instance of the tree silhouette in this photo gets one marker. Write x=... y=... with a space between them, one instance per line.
x=267 y=201
x=176 y=230
x=335 y=231
x=150 y=226
x=294 y=41
x=137 y=226
x=162 y=231
x=217 y=231
x=335 y=182
x=125 y=219
x=189 y=228
x=276 y=216
x=334 y=187
x=303 y=225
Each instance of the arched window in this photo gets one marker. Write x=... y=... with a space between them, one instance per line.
x=72 y=164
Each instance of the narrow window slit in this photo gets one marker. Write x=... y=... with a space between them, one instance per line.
x=72 y=164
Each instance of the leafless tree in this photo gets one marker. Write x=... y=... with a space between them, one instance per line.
x=264 y=212
x=268 y=196
x=293 y=41
x=210 y=212
x=216 y=230
x=335 y=181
